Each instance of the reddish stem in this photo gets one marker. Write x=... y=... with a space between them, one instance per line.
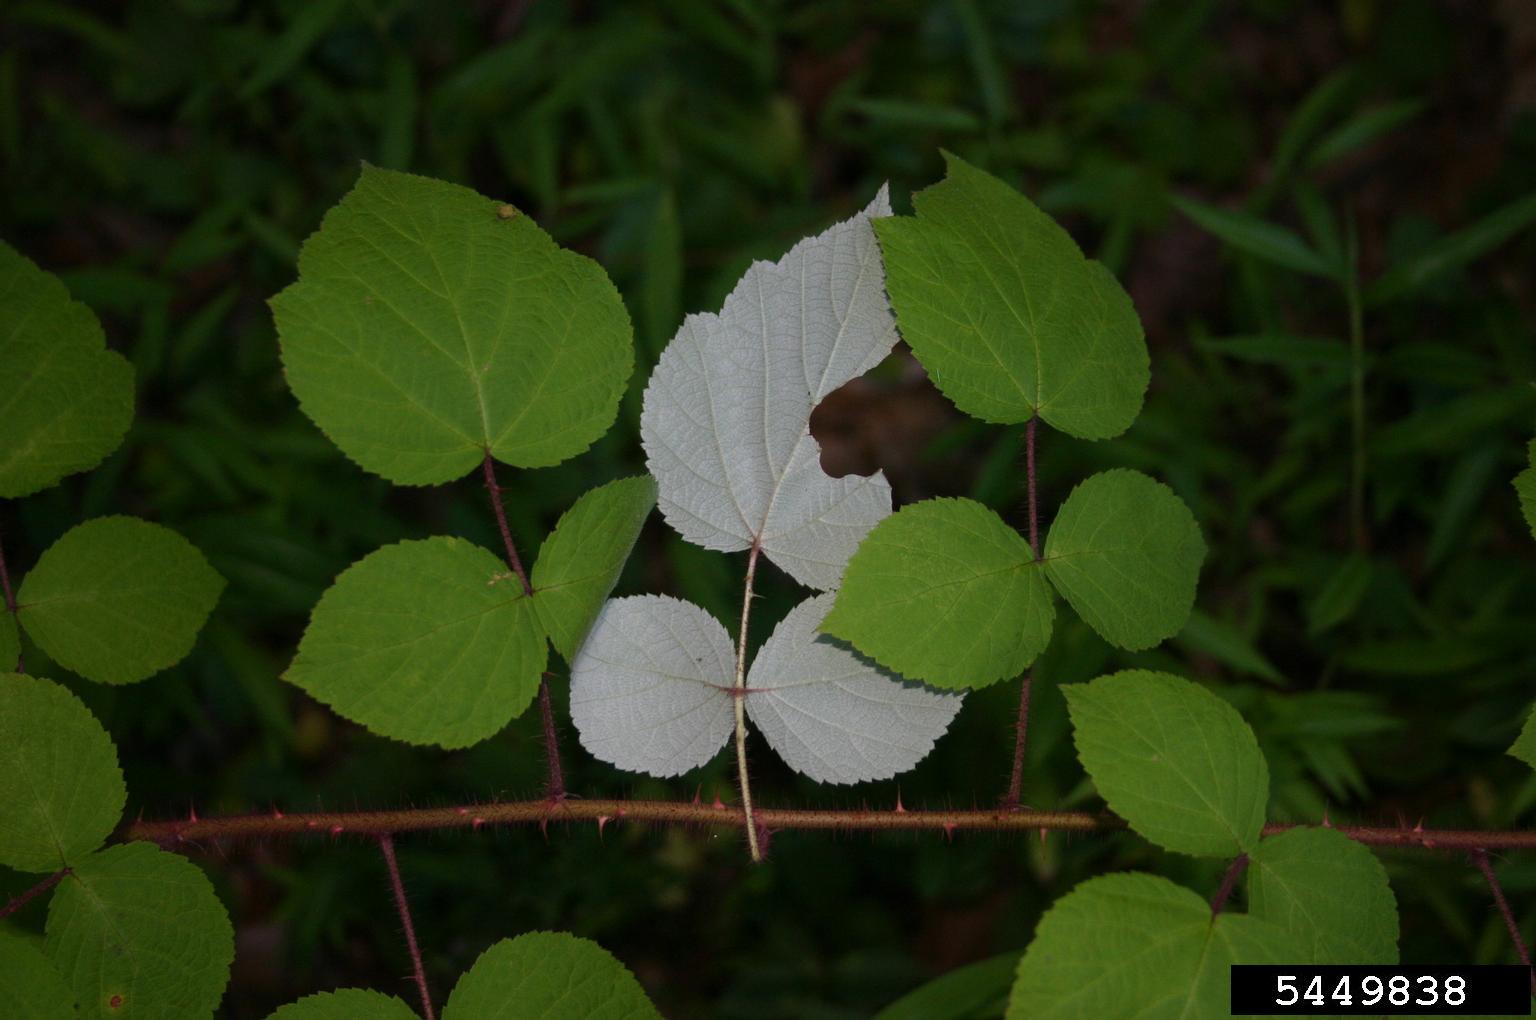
x=1228 y=883
x=1480 y=858
x=1021 y=724
x=17 y=902
x=496 y=490
x=555 y=773
x=554 y=783
x=669 y=812
x=387 y=845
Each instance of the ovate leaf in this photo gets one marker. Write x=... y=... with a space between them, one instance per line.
x=1525 y=488
x=1329 y=892
x=346 y=1004
x=430 y=324
x=1005 y=313
x=139 y=932
x=1524 y=746
x=944 y=592
x=1129 y=945
x=726 y=416
x=1126 y=552
x=834 y=716
x=118 y=599
x=61 y=792
x=580 y=562
x=31 y=987
x=429 y=642
x=650 y=687
x=1174 y=760
x=548 y=976
x=67 y=400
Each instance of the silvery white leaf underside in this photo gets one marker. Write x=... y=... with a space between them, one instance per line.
x=726 y=418
x=651 y=692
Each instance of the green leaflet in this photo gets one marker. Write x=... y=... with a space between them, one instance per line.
x=430 y=642
x=581 y=560
x=1329 y=892
x=1005 y=313
x=1127 y=945
x=1174 y=760
x=142 y=927
x=1525 y=488
x=118 y=599
x=548 y=976
x=944 y=592
x=346 y=1004
x=68 y=400
x=430 y=324
x=61 y=792
x=1126 y=553
x=1524 y=746
x=31 y=987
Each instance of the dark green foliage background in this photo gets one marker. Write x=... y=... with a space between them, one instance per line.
x=167 y=157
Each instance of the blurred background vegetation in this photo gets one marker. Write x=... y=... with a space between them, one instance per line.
x=166 y=157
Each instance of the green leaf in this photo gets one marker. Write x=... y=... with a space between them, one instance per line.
x=1329 y=892
x=1524 y=746
x=1362 y=129
x=1454 y=250
x=548 y=976
x=1226 y=645
x=61 y=791
x=1340 y=595
x=1248 y=233
x=1174 y=760
x=430 y=642
x=118 y=599
x=430 y=324
x=1525 y=488
x=346 y=1004
x=68 y=401
x=944 y=592
x=962 y=993
x=1128 y=945
x=1005 y=313
x=581 y=560
x=139 y=932
x=1294 y=352
x=30 y=985
x=1126 y=552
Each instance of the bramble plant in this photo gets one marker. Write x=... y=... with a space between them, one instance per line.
x=434 y=334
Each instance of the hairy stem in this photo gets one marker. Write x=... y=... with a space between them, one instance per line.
x=1021 y=724
x=739 y=689
x=10 y=600
x=554 y=783
x=1352 y=298
x=387 y=846
x=1480 y=858
x=495 y=489
x=17 y=902
x=670 y=812
x=1228 y=883
x=555 y=773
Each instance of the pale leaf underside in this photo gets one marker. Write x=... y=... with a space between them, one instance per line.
x=726 y=420
x=651 y=692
